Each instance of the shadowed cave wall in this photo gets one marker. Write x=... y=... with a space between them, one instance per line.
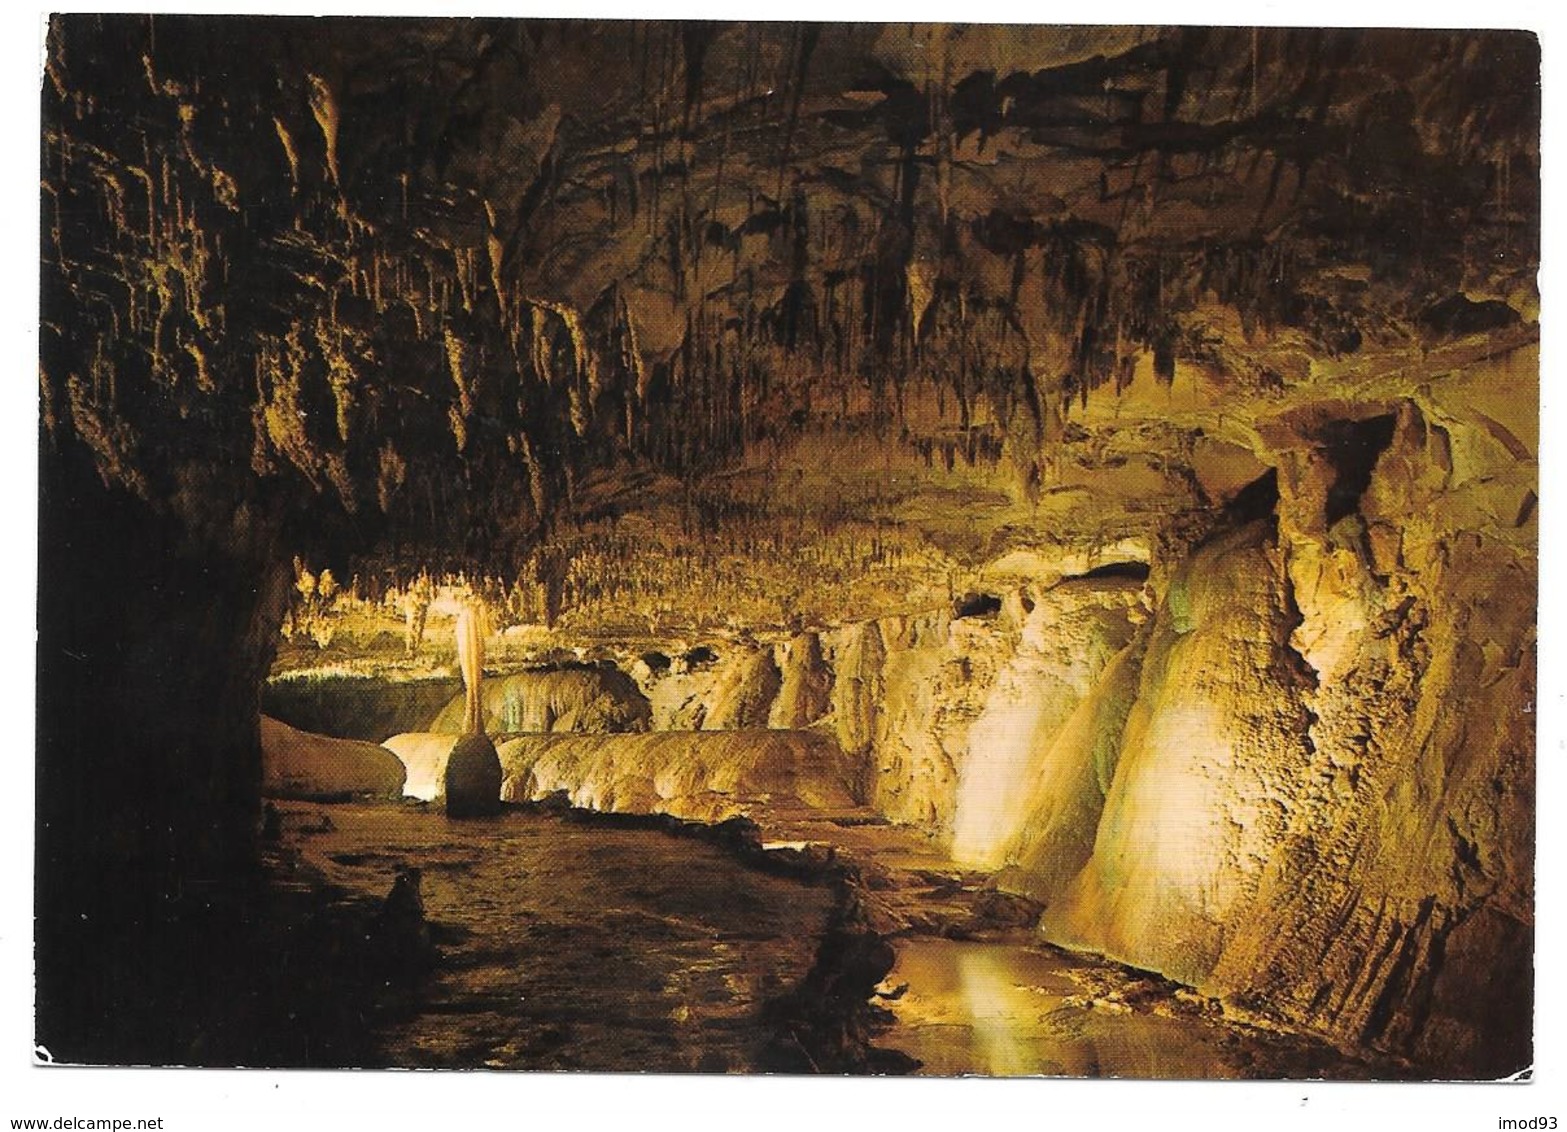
x=430 y=291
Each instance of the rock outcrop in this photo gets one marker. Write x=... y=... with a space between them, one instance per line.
x=891 y=313
x=557 y=699
x=1321 y=800
x=471 y=786
x=423 y=755
x=805 y=693
x=1398 y=910
x=1064 y=643
x=743 y=692
x=1065 y=800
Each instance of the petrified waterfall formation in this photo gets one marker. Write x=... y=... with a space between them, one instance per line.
x=1121 y=443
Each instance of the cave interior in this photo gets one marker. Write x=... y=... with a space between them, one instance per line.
x=923 y=503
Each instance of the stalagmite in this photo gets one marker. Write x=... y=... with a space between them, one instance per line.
x=473 y=772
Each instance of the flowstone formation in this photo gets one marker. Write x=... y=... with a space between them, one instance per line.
x=1109 y=451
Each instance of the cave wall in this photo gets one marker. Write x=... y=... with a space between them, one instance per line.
x=939 y=713
x=558 y=699
x=1210 y=756
x=151 y=656
x=300 y=764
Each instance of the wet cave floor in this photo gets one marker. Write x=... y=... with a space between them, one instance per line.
x=560 y=941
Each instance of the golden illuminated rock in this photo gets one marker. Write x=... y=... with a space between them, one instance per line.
x=472 y=779
x=297 y=764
